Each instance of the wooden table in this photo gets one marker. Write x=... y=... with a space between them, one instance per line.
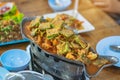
x=104 y=26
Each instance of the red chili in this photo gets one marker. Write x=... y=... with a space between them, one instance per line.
x=4 y=9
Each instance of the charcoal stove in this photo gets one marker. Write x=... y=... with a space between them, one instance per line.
x=59 y=69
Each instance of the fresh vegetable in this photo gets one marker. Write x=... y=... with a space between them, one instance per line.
x=11 y=15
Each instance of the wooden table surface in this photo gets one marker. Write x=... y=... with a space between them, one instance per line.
x=104 y=26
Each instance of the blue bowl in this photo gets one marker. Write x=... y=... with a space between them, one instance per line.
x=15 y=60
x=62 y=6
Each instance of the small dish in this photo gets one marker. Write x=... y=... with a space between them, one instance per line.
x=62 y=5
x=28 y=75
x=3 y=72
x=103 y=47
x=15 y=60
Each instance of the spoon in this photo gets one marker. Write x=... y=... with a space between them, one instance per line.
x=75 y=13
x=57 y=2
x=115 y=48
x=75 y=10
x=73 y=29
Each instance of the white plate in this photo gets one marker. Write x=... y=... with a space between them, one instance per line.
x=87 y=26
x=103 y=48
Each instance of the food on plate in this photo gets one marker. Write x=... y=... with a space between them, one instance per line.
x=10 y=23
x=52 y=35
x=9 y=30
x=69 y=21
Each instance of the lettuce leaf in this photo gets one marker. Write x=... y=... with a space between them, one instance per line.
x=18 y=18
x=10 y=15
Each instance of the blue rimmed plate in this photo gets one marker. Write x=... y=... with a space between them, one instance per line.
x=103 y=47
x=14 y=42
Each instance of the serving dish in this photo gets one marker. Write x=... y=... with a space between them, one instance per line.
x=63 y=68
x=37 y=49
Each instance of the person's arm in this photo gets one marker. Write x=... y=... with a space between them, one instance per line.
x=112 y=6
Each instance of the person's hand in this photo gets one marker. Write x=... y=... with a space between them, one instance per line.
x=108 y=5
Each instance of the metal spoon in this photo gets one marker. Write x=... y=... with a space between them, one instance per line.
x=75 y=13
x=115 y=48
x=75 y=10
x=57 y=2
x=73 y=29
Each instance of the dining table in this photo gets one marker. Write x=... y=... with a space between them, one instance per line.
x=104 y=26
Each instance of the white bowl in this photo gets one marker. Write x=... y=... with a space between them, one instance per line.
x=64 y=4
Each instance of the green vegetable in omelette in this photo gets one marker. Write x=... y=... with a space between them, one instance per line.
x=63 y=48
